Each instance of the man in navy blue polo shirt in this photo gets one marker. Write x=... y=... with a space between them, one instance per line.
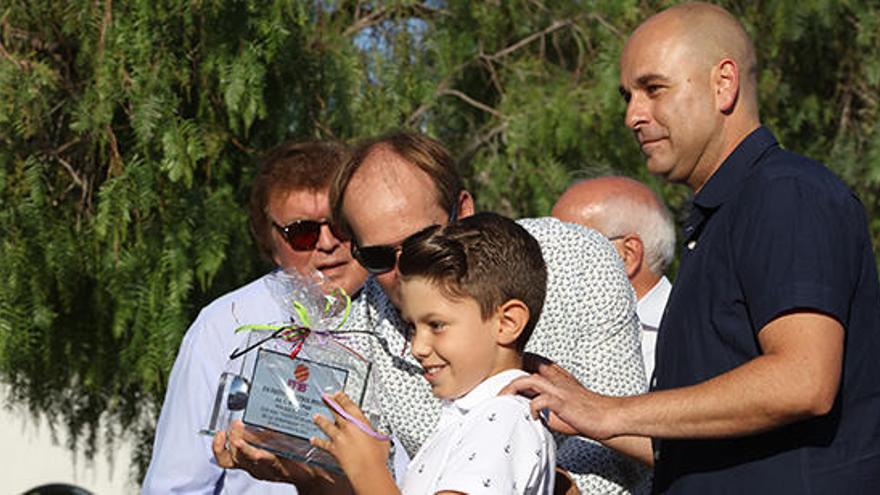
x=767 y=377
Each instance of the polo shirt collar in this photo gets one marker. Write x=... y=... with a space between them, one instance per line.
x=486 y=389
x=734 y=170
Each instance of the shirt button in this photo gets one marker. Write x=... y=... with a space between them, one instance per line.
x=656 y=454
x=691 y=245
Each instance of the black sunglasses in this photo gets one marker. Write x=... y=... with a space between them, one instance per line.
x=303 y=235
x=382 y=258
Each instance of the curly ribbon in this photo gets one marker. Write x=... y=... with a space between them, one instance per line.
x=297 y=334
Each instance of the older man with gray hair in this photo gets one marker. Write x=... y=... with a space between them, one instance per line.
x=640 y=226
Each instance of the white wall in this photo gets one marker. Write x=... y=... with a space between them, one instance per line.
x=29 y=459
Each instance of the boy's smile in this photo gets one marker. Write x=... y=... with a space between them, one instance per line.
x=450 y=339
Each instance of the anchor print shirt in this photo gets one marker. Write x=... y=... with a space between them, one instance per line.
x=588 y=326
x=485 y=444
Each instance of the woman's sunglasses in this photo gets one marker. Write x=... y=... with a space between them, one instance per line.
x=382 y=258
x=303 y=235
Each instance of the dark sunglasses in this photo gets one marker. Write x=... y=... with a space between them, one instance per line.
x=303 y=235
x=383 y=258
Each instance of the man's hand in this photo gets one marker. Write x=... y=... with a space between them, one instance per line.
x=232 y=451
x=573 y=410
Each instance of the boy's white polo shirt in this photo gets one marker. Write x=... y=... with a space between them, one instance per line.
x=485 y=444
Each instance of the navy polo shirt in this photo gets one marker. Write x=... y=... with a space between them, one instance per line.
x=772 y=232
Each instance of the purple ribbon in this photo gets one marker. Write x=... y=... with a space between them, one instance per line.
x=360 y=424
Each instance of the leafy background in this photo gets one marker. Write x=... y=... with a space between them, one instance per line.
x=130 y=130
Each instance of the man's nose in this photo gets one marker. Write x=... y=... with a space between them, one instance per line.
x=637 y=112
x=327 y=240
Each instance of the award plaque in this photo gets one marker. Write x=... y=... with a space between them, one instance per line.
x=281 y=399
x=279 y=379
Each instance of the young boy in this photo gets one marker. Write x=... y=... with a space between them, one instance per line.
x=472 y=292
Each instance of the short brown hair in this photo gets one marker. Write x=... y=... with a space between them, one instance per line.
x=487 y=257
x=418 y=149
x=291 y=166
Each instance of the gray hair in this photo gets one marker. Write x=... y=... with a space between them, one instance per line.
x=652 y=222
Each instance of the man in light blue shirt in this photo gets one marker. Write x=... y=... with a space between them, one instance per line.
x=289 y=215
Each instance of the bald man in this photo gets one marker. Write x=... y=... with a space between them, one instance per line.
x=767 y=378
x=639 y=225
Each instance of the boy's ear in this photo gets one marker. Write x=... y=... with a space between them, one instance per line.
x=513 y=316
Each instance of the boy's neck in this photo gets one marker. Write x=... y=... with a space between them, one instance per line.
x=510 y=360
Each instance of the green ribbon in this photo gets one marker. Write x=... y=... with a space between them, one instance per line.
x=301 y=312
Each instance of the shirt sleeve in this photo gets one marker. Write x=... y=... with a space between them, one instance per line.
x=797 y=250
x=589 y=327
x=499 y=451
x=182 y=461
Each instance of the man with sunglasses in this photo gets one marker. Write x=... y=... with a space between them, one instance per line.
x=289 y=215
x=398 y=184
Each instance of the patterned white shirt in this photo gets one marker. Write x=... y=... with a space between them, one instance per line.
x=485 y=444
x=588 y=326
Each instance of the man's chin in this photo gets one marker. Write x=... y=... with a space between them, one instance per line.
x=659 y=167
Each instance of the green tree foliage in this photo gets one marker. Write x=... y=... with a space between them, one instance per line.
x=129 y=132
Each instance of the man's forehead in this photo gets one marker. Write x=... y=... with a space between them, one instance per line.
x=280 y=192
x=388 y=178
x=658 y=59
x=383 y=167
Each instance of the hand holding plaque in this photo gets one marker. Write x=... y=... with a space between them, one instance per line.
x=285 y=370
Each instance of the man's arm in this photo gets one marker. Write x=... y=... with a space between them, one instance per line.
x=796 y=377
x=181 y=457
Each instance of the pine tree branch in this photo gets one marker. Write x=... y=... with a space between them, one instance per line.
x=63 y=147
x=493 y=74
x=442 y=86
x=21 y=64
x=603 y=21
x=73 y=174
x=369 y=20
x=481 y=139
x=472 y=102
x=557 y=25
x=241 y=146
x=105 y=22
x=35 y=41
x=538 y=4
x=115 y=168
x=419 y=11
x=559 y=51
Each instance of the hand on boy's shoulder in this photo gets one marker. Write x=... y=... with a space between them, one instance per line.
x=544 y=390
